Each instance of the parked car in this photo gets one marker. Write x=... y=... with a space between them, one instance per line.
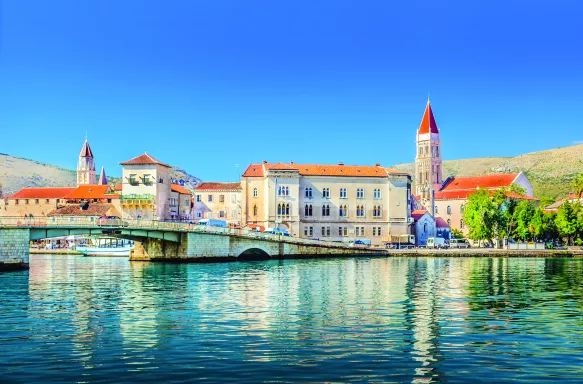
x=277 y=231
x=436 y=242
x=459 y=243
x=111 y=221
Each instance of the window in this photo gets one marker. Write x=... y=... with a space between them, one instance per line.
x=198 y=215
x=198 y=197
x=282 y=191
x=308 y=231
x=376 y=211
x=16 y=202
x=359 y=231
x=377 y=194
x=287 y=209
x=161 y=180
x=233 y=198
x=462 y=224
x=343 y=193
x=308 y=210
x=132 y=179
x=374 y=231
x=448 y=222
x=308 y=193
x=325 y=210
x=379 y=231
x=342 y=231
x=360 y=193
x=449 y=209
x=462 y=208
x=326 y=193
x=36 y=201
x=221 y=198
x=343 y=211
x=279 y=209
x=147 y=180
x=254 y=210
x=436 y=210
x=283 y=209
x=210 y=199
x=221 y=213
x=360 y=210
x=255 y=193
x=109 y=201
x=47 y=201
x=26 y=201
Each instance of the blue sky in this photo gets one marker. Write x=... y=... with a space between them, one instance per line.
x=207 y=84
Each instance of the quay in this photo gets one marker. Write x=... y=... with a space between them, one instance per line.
x=485 y=252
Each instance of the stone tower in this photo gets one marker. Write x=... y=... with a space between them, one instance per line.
x=428 y=173
x=86 y=166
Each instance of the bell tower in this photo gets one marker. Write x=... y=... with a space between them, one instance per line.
x=428 y=173
x=86 y=166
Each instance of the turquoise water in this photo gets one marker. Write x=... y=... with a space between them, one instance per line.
x=75 y=319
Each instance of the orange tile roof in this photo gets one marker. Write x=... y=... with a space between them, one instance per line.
x=428 y=122
x=118 y=187
x=256 y=170
x=464 y=194
x=473 y=182
x=180 y=189
x=75 y=210
x=144 y=159
x=213 y=186
x=88 y=192
x=42 y=193
x=418 y=213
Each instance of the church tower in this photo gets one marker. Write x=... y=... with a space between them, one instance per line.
x=428 y=174
x=86 y=166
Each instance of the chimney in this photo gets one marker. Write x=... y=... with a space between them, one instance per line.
x=291 y=162
x=377 y=165
x=264 y=161
x=341 y=163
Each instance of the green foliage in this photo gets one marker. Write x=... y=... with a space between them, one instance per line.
x=578 y=184
x=457 y=233
x=545 y=201
x=481 y=215
x=569 y=221
x=523 y=216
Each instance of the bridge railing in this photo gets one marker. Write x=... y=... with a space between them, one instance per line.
x=91 y=222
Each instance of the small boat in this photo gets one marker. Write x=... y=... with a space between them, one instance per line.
x=106 y=246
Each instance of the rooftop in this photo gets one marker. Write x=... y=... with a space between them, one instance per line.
x=258 y=170
x=42 y=193
x=180 y=189
x=88 y=192
x=473 y=182
x=216 y=186
x=75 y=210
x=428 y=122
x=144 y=160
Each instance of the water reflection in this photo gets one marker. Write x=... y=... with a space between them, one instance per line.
x=355 y=319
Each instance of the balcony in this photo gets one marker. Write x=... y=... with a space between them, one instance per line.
x=132 y=181
x=134 y=199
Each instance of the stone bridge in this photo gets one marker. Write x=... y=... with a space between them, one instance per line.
x=166 y=241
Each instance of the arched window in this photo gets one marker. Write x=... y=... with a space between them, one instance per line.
x=306 y=210
x=287 y=210
x=425 y=227
x=327 y=210
x=436 y=210
x=448 y=222
x=254 y=210
x=449 y=209
x=462 y=208
x=286 y=191
x=340 y=211
x=308 y=193
x=462 y=224
x=255 y=192
x=379 y=211
x=279 y=209
x=374 y=211
x=279 y=191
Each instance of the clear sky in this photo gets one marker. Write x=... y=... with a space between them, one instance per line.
x=208 y=84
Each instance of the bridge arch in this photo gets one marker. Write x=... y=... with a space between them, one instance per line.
x=254 y=253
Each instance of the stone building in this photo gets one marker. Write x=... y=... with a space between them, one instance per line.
x=221 y=201
x=86 y=166
x=446 y=198
x=332 y=202
x=147 y=191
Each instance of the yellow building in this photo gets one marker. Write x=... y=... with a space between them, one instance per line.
x=220 y=201
x=330 y=202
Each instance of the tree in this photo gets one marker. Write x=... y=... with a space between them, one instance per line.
x=480 y=215
x=457 y=233
x=578 y=184
x=506 y=202
x=523 y=216
x=567 y=220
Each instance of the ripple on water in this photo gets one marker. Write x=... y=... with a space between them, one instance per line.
x=342 y=320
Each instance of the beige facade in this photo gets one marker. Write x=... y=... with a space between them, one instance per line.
x=37 y=206
x=221 y=201
x=329 y=202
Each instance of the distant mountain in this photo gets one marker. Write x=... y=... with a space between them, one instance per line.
x=551 y=172
x=17 y=173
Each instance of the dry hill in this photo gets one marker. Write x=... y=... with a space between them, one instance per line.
x=17 y=173
x=551 y=172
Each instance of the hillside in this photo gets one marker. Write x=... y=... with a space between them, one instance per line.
x=550 y=172
x=17 y=173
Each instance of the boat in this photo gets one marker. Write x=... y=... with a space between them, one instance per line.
x=106 y=246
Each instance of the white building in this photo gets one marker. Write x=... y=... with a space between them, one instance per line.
x=220 y=201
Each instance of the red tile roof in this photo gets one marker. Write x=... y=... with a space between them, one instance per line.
x=440 y=223
x=42 y=193
x=428 y=122
x=464 y=194
x=257 y=170
x=418 y=213
x=88 y=192
x=75 y=210
x=213 y=186
x=144 y=159
x=473 y=182
x=180 y=189
x=118 y=187
x=86 y=150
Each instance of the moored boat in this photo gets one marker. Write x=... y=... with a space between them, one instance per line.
x=107 y=246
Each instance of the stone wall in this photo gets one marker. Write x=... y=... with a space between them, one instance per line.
x=14 y=244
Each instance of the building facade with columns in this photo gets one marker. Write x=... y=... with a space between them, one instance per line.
x=329 y=202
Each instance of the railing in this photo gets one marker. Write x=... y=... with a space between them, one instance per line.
x=87 y=222
x=134 y=196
